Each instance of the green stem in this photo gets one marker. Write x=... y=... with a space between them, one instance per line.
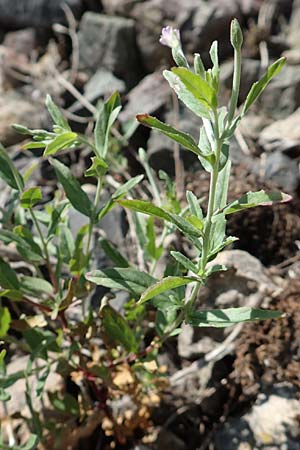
x=235 y=85
x=46 y=253
x=93 y=218
x=212 y=195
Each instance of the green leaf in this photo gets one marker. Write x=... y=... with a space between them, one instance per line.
x=2 y=356
x=194 y=205
x=106 y=118
x=152 y=210
x=117 y=329
x=184 y=261
x=198 y=65
x=113 y=253
x=183 y=139
x=31 y=197
x=164 y=319
x=213 y=52
x=197 y=86
x=34 y=286
x=221 y=318
x=28 y=249
x=55 y=218
x=222 y=186
x=76 y=195
x=185 y=95
x=97 y=169
x=8 y=277
x=56 y=114
x=5 y=320
x=130 y=280
x=60 y=142
x=65 y=404
x=260 y=85
x=252 y=199
x=164 y=285
x=120 y=192
x=9 y=173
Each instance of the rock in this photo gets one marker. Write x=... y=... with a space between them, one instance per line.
x=102 y=84
x=17 y=404
x=250 y=74
x=161 y=149
x=282 y=96
x=108 y=42
x=280 y=169
x=36 y=13
x=272 y=423
x=168 y=440
x=210 y=21
x=150 y=17
x=15 y=108
x=119 y=7
x=245 y=283
x=282 y=135
x=147 y=97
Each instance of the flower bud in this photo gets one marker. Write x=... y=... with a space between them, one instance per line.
x=236 y=35
x=170 y=37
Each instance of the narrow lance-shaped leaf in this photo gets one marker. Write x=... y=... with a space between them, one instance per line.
x=131 y=280
x=148 y=208
x=106 y=118
x=252 y=199
x=227 y=317
x=260 y=85
x=9 y=173
x=5 y=320
x=8 y=277
x=184 y=261
x=60 y=142
x=164 y=285
x=56 y=114
x=183 y=139
x=76 y=195
x=113 y=253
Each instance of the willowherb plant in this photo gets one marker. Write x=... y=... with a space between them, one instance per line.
x=198 y=89
x=59 y=265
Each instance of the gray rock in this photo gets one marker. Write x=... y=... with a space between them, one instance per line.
x=109 y=43
x=147 y=97
x=15 y=108
x=280 y=169
x=282 y=96
x=250 y=74
x=102 y=84
x=272 y=423
x=245 y=283
x=119 y=7
x=36 y=13
x=282 y=135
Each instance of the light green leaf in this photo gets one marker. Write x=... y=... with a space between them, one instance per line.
x=130 y=280
x=184 y=261
x=9 y=173
x=185 y=95
x=152 y=210
x=117 y=329
x=164 y=285
x=60 y=142
x=194 y=205
x=56 y=114
x=106 y=118
x=197 y=86
x=31 y=197
x=97 y=169
x=26 y=247
x=222 y=186
x=198 y=65
x=260 y=85
x=183 y=139
x=76 y=195
x=5 y=320
x=252 y=199
x=227 y=317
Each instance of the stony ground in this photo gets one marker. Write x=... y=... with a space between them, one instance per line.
x=232 y=390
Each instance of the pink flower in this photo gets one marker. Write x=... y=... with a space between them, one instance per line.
x=170 y=37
